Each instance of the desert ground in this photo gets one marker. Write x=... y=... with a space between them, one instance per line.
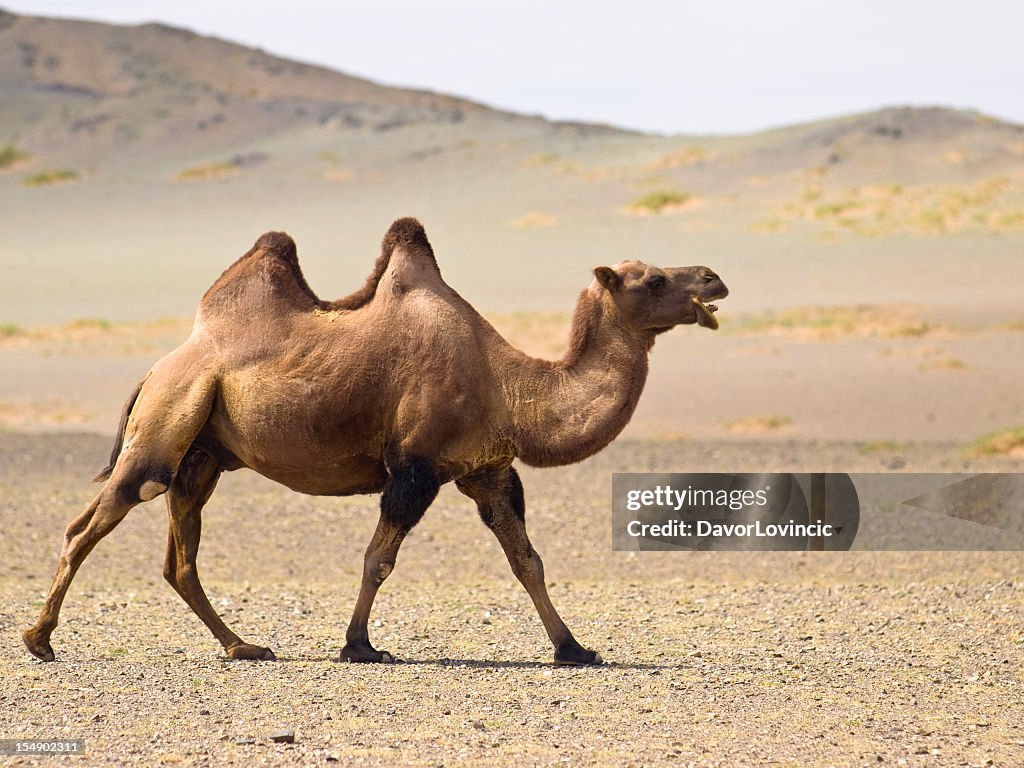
x=874 y=324
x=712 y=659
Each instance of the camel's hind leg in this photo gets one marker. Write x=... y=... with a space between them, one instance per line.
x=82 y=534
x=499 y=498
x=133 y=482
x=172 y=407
x=191 y=489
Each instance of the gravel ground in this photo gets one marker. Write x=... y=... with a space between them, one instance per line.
x=713 y=659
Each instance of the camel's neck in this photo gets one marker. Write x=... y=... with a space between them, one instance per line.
x=566 y=411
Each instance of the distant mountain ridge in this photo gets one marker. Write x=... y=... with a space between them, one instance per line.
x=90 y=94
x=65 y=80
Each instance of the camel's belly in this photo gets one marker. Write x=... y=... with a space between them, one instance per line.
x=342 y=478
x=320 y=471
x=287 y=450
x=322 y=438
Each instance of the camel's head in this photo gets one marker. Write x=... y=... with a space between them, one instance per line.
x=655 y=299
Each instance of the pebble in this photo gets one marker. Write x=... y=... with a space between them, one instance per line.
x=282 y=736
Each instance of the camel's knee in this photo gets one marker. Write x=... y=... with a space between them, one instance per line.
x=171 y=574
x=379 y=570
x=498 y=498
x=527 y=565
x=411 y=488
x=185 y=573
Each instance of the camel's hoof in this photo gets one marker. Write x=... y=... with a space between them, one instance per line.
x=365 y=654
x=577 y=656
x=37 y=646
x=248 y=652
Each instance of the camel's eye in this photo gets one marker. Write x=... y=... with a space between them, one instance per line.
x=656 y=282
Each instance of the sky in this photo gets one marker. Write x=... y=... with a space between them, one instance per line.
x=709 y=67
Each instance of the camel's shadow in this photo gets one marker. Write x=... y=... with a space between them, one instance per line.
x=545 y=665
x=407 y=662
x=487 y=664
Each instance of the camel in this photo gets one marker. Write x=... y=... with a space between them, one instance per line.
x=396 y=389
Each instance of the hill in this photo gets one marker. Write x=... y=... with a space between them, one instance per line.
x=78 y=85
x=156 y=155
x=77 y=91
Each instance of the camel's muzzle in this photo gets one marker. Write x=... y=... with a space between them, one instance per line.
x=705 y=316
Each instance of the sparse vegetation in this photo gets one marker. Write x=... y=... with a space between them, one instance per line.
x=660 y=201
x=881 y=446
x=757 y=424
x=97 y=334
x=1008 y=442
x=49 y=178
x=820 y=323
x=944 y=364
x=10 y=154
x=882 y=209
x=534 y=220
x=41 y=413
x=682 y=157
x=542 y=158
x=770 y=226
x=208 y=171
x=89 y=323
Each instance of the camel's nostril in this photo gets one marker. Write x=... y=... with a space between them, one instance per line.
x=706 y=274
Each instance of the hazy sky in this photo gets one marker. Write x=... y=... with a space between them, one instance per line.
x=712 y=66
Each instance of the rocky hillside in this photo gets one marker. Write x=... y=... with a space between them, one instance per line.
x=76 y=85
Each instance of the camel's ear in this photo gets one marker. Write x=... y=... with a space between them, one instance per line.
x=608 y=277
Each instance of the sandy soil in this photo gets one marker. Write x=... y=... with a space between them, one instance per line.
x=713 y=659
x=874 y=323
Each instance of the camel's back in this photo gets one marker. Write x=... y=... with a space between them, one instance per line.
x=407 y=364
x=262 y=306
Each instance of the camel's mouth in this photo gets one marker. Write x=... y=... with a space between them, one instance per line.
x=705 y=314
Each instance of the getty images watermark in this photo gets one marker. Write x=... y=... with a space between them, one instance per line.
x=817 y=511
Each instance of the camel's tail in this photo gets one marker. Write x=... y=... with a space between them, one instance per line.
x=119 y=440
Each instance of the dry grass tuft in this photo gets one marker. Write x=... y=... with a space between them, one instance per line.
x=10 y=155
x=41 y=414
x=881 y=446
x=534 y=220
x=824 y=323
x=660 y=201
x=682 y=157
x=1009 y=442
x=991 y=205
x=208 y=171
x=98 y=335
x=944 y=364
x=758 y=424
x=50 y=178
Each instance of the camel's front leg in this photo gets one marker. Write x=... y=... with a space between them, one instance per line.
x=499 y=497
x=411 y=487
x=192 y=486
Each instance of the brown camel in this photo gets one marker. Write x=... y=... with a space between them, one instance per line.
x=398 y=388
